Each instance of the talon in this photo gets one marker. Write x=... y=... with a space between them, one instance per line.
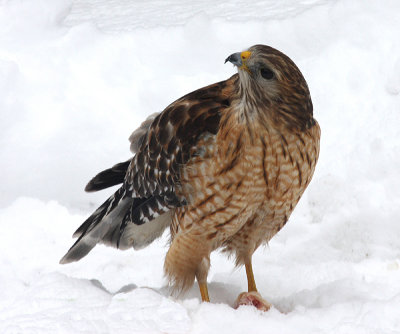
x=252 y=298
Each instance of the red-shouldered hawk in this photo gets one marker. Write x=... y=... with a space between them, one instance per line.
x=223 y=167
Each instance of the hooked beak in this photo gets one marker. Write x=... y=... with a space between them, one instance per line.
x=239 y=59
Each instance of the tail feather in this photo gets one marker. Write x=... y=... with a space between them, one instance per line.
x=121 y=222
x=138 y=236
x=93 y=219
x=97 y=225
x=83 y=245
x=143 y=213
x=109 y=177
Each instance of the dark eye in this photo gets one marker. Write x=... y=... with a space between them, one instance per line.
x=266 y=73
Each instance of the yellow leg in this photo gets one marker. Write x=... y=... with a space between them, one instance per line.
x=204 y=292
x=252 y=297
x=250 y=277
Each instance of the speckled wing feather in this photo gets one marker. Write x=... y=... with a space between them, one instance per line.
x=155 y=171
x=171 y=142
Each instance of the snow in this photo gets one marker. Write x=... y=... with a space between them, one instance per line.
x=76 y=77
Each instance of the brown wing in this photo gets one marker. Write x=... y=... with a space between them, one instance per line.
x=150 y=186
x=171 y=142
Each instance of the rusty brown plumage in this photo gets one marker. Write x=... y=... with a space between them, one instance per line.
x=224 y=166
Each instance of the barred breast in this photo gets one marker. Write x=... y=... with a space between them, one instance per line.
x=242 y=190
x=287 y=164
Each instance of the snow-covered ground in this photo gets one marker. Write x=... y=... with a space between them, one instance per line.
x=76 y=77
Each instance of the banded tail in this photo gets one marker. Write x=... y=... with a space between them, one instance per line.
x=122 y=221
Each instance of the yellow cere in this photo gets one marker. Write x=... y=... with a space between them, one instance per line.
x=245 y=55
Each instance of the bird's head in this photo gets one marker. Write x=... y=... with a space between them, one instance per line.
x=271 y=83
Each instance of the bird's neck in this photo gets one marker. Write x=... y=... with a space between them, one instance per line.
x=292 y=114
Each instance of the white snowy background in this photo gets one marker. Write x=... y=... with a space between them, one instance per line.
x=77 y=76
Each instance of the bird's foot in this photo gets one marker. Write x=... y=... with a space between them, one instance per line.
x=252 y=298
